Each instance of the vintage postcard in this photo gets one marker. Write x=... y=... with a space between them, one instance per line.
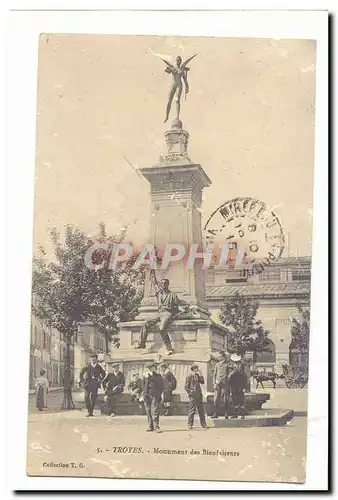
x=172 y=257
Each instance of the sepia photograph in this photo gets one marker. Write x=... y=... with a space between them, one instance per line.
x=167 y=303
x=171 y=274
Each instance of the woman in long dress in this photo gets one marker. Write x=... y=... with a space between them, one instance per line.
x=41 y=386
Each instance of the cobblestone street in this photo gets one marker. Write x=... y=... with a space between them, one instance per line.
x=69 y=444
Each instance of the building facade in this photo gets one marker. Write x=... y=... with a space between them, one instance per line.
x=89 y=341
x=280 y=289
x=46 y=353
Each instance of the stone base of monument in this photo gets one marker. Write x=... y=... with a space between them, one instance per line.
x=193 y=340
x=180 y=404
x=258 y=418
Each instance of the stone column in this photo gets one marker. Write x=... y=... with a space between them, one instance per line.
x=176 y=185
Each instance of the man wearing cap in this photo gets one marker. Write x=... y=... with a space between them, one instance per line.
x=169 y=306
x=114 y=386
x=237 y=385
x=221 y=386
x=91 y=377
x=193 y=388
x=170 y=384
x=152 y=392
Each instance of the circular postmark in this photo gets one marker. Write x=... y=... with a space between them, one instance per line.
x=249 y=228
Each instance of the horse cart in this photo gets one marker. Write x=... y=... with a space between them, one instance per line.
x=294 y=379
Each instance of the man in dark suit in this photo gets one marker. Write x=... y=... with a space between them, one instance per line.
x=91 y=377
x=114 y=386
x=152 y=392
x=170 y=384
x=237 y=385
x=193 y=388
x=221 y=385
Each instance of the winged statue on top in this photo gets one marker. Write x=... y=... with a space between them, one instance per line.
x=179 y=71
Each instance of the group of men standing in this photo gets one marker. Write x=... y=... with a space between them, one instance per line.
x=157 y=385
x=229 y=386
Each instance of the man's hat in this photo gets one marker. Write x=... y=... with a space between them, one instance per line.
x=94 y=355
x=235 y=358
x=115 y=365
x=193 y=366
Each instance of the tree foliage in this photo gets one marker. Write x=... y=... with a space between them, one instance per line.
x=59 y=284
x=300 y=330
x=113 y=295
x=245 y=332
x=66 y=292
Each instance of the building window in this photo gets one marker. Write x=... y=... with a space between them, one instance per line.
x=301 y=275
x=270 y=275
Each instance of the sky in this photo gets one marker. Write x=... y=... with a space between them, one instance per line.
x=250 y=114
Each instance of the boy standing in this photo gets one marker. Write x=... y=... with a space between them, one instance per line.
x=136 y=387
x=170 y=384
x=114 y=386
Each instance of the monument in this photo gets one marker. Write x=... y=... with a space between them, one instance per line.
x=176 y=185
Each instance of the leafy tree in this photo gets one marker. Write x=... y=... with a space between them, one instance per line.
x=58 y=287
x=67 y=292
x=300 y=330
x=300 y=337
x=113 y=295
x=245 y=332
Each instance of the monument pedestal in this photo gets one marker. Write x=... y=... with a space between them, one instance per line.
x=193 y=341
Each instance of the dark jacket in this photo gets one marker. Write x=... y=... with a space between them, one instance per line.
x=193 y=384
x=153 y=386
x=170 y=382
x=237 y=379
x=92 y=376
x=114 y=383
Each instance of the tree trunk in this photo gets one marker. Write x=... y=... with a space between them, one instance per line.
x=68 y=403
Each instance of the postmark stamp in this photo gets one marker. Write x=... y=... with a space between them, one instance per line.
x=251 y=229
